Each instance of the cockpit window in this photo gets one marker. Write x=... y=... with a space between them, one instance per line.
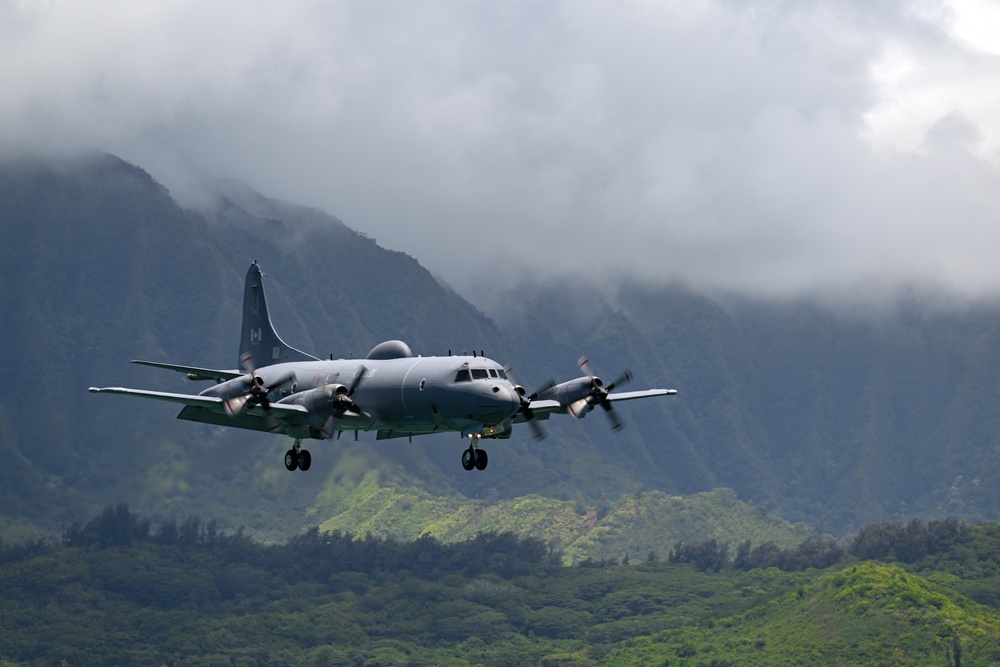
x=502 y=374
x=493 y=372
x=479 y=374
x=463 y=376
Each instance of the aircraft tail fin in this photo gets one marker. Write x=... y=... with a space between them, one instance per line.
x=258 y=339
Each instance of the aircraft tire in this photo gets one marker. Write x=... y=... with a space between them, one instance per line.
x=305 y=459
x=481 y=459
x=291 y=460
x=469 y=458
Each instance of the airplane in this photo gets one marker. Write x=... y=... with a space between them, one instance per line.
x=280 y=389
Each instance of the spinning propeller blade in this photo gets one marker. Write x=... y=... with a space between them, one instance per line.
x=599 y=395
x=529 y=416
x=341 y=403
x=256 y=392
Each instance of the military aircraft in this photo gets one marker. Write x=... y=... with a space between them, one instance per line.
x=280 y=389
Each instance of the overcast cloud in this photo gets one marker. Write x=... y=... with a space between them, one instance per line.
x=767 y=146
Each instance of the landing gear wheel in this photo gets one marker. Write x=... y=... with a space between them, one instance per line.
x=481 y=459
x=305 y=460
x=469 y=458
x=291 y=460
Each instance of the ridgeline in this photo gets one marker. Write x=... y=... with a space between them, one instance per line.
x=792 y=419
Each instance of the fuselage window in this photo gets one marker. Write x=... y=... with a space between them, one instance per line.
x=493 y=373
x=479 y=374
x=463 y=376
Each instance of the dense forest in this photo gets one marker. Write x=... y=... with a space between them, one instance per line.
x=116 y=591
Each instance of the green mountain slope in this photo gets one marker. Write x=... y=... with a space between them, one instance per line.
x=865 y=614
x=654 y=522
x=634 y=527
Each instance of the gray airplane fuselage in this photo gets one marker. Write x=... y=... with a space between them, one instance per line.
x=406 y=395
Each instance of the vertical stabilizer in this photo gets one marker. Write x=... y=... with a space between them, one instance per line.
x=259 y=339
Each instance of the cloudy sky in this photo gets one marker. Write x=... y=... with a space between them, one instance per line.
x=766 y=146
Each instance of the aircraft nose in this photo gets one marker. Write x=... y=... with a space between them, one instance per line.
x=499 y=402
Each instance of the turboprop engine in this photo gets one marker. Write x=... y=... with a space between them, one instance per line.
x=321 y=399
x=247 y=391
x=582 y=395
x=328 y=404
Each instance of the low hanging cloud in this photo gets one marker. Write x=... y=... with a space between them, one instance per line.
x=765 y=147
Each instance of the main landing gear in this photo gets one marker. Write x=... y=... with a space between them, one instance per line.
x=473 y=457
x=296 y=457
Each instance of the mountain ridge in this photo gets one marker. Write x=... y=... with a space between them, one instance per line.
x=834 y=421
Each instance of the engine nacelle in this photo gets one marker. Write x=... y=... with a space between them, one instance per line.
x=238 y=386
x=571 y=391
x=320 y=399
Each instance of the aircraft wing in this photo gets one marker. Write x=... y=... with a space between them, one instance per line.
x=542 y=409
x=198 y=373
x=186 y=399
x=629 y=395
x=211 y=402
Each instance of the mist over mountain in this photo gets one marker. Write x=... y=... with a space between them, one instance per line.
x=817 y=415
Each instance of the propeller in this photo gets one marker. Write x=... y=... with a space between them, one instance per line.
x=529 y=415
x=342 y=402
x=257 y=391
x=599 y=395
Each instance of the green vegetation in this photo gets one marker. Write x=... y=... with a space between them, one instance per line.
x=117 y=591
x=654 y=522
x=634 y=526
x=864 y=614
